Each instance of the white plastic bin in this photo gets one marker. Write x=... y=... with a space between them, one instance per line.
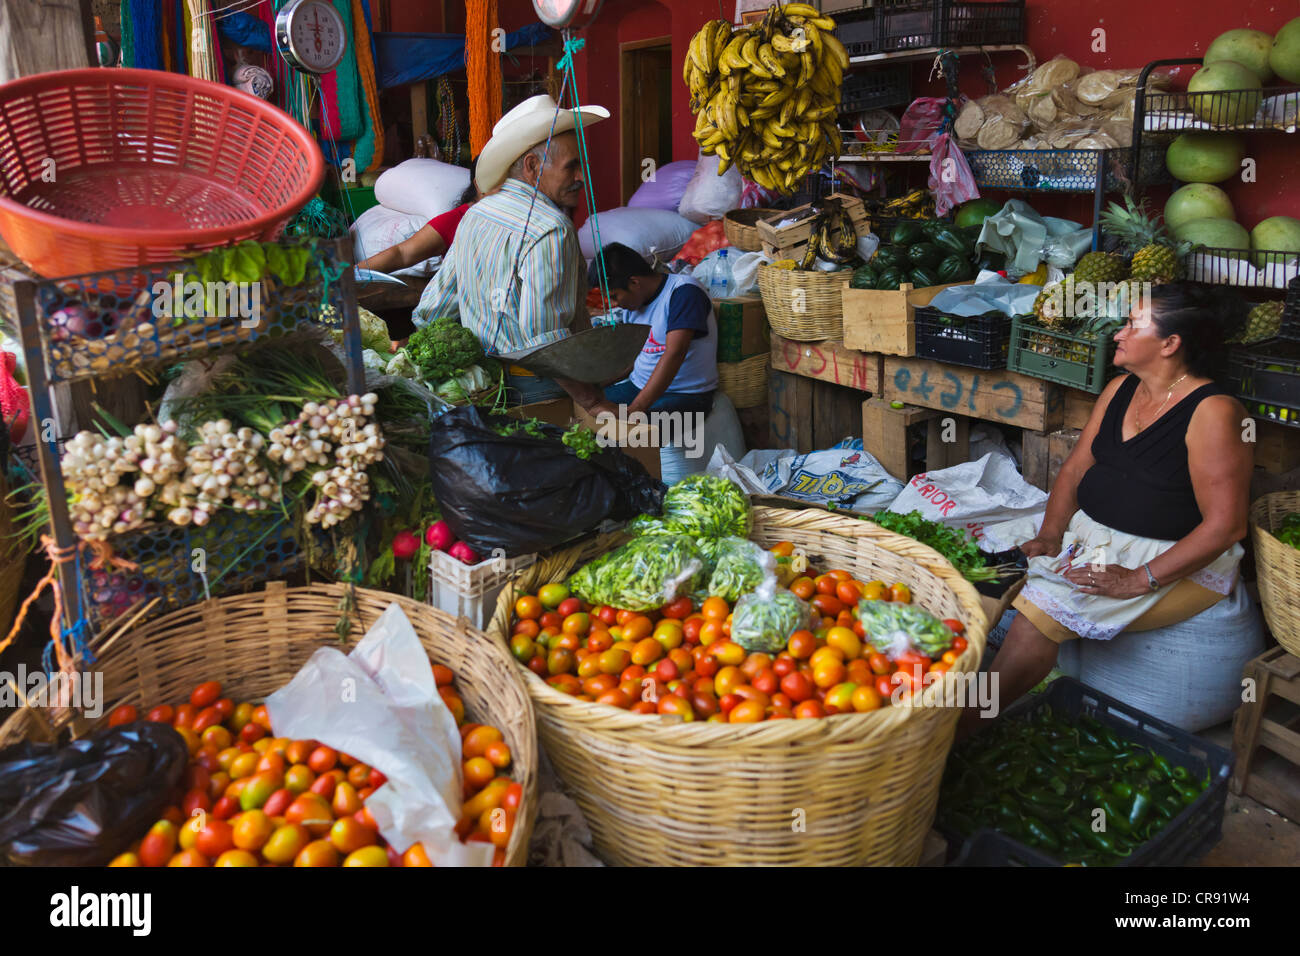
x=471 y=590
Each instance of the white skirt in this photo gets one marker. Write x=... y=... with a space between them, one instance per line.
x=1096 y=616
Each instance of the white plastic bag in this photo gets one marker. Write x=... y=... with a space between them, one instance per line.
x=422 y=187
x=380 y=704
x=379 y=228
x=972 y=495
x=745 y=471
x=709 y=196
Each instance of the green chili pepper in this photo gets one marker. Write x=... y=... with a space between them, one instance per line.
x=1139 y=809
x=1058 y=786
x=1137 y=761
x=1094 y=795
x=1181 y=773
x=1187 y=794
x=1095 y=755
x=1040 y=835
x=1114 y=818
x=1091 y=837
x=1162 y=765
x=1122 y=790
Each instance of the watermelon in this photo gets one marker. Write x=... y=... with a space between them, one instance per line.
x=975 y=212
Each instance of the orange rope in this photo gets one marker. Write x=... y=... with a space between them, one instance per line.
x=57 y=557
x=482 y=70
x=366 y=69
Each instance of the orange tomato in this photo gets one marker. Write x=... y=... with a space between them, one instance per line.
x=578 y=624
x=317 y=853
x=647 y=651
x=599 y=642
x=749 y=692
x=691 y=628
x=261 y=717
x=712 y=630
x=676 y=706
x=477 y=741
x=285 y=843
x=638 y=627
x=190 y=857
x=310 y=810
x=251 y=829
x=597 y=685
x=839 y=698
x=614 y=660
x=746 y=712
x=845 y=640
x=900 y=592
x=442 y=675
x=617 y=697
x=828 y=605
x=367 y=856
x=803 y=588
x=416 y=856
x=528 y=627
x=644 y=707
x=348 y=835
x=498 y=754
x=859 y=672
x=880 y=664
x=715 y=608
x=828 y=673
x=874 y=591
x=782 y=549
x=949 y=658
x=528 y=608
x=865 y=698
x=346 y=800
x=826 y=653
x=802 y=644
x=727 y=652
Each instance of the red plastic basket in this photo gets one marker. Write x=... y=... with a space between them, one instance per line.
x=112 y=168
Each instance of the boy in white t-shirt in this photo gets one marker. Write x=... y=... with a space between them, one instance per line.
x=677 y=370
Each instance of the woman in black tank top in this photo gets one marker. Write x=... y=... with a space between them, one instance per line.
x=1164 y=461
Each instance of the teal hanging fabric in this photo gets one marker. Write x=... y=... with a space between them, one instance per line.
x=350 y=99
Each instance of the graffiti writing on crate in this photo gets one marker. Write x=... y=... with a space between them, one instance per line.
x=829 y=364
x=953 y=390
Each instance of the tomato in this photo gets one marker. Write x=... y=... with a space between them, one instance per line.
x=278 y=802
x=691 y=628
x=646 y=651
x=551 y=595
x=637 y=628
x=124 y=714
x=251 y=732
x=599 y=642
x=803 y=588
x=848 y=593
x=614 y=660
x=885 y=686
x=560 y=661
x=347 y=801
x=644 y=707
x=251 y=829
x=206 y=694
x=845 y=640
x=704 y=704
x=607 y=615
x=577 y=623
x=527 y=627
x=676 y=706
x=225 y=808
x=163 y=714
x=828 y=605
x=727 y=652
x=711 y=631
x=707 y=665
x=727 y=680
x=749 y=692
x=784 y=664
x=678 y=609
x=498 y=754
x=538 y=666
x=765 y=681
x=348 y=835
x=839 y=698
x=782 y=549
x=225 y=707
x=802 y=644
x=569 y=607
x=207 y=717
x=865 y=698
x=416 y=855
x=190 y=857
x=683 y=659
x=746 y=712
x=528 y=607
x=958 y=645
x=669 y=635
x=754 y=663
x=184 y=715
x=311 y=811
x=912 y=681
x=196 y=800
x=618 y=697
x=900 y=592
x=911 y=660
x=715 y=608
x=824 y=654
x=317 y=853
x=322 y=759
x=367 y=856
x=874 y=591
x=880 y=664
x=667 y=671
x=949 y=659
x=797 y=687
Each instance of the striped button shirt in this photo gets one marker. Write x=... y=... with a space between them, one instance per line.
x=476 y=281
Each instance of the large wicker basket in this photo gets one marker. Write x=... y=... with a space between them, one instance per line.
x=1277 y=567
x=849 y=790
x=740 y=228
x=745 y=382
x=255 y=643
x=803 y=305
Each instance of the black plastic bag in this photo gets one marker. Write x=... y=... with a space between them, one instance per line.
x=85 y=802
x=521 y=493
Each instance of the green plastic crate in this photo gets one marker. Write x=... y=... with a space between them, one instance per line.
x=358 y=199
x=1080 y=361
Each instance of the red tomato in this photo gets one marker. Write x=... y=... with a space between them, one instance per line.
x=163 y=714
x=954 y=625
x=809 y=710
x=784 y=664
x=912 y=660
x=568 y=606
x=206 y=694
x=827 y=605
x=124 y=714
x=704 y=704
x=607 y=614
x=677 y=610
x=885 y=685
x=225 y=808
x=667 y=671
x=184 y=715
x=207 y=717
x=766 y=681
x=958 y=644
x=225 y=707
x=848 y=593
x=251 y=733
x=196 y=800
x=727 y=702
x=797 y=687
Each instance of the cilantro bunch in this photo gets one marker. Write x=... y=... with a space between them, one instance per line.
x=957 y=546
x=1289 y=531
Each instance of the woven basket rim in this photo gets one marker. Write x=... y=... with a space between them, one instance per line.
x=667 y=730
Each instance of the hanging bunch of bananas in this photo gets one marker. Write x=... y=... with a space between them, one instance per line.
x=766 y=95
x=834 y=237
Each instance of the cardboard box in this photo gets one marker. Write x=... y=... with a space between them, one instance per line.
x=639 y=443
x=742 y=328
x=555 y=411
x=885 y=321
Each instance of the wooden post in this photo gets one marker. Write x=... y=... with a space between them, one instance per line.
x=1033 y=458
x=39 y=36
x=419 y=110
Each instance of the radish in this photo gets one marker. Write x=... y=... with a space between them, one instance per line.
x=405 y=544
x=439 y=536
x=463 y=553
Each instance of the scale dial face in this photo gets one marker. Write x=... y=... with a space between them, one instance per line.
x=559 y=14
x=310 y=35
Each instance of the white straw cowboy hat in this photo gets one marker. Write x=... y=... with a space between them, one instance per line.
x=526 y=126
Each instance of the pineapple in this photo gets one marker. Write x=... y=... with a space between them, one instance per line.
x=1098 y=267
x=1157 y=258
x=1264 y=322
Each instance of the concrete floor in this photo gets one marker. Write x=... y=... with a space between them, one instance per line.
x=1254 y=835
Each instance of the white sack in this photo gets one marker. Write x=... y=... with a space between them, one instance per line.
x=422 y=187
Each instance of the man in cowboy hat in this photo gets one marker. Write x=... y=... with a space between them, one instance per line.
x=515 y=276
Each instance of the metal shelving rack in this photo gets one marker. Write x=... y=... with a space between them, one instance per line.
x=134 y=340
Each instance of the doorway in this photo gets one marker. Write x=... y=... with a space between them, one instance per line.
x=645 y=78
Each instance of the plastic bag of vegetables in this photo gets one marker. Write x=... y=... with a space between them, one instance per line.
x=763 y=621
x=740 y=566
x=645 y=574
x=891 y=628
x=706 y=506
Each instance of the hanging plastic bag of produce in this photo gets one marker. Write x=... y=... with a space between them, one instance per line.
x=85 y=802
x=921 y=124
x=381 y=705
x=951 y=180
x=646 y=573
x=522 y=493
x=763 y=620
x=740 y=566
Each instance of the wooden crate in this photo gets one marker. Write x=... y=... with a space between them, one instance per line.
x=791 y=242
x=1277 y=447
x=1078 y=408
x=877 y=320
x=827 y=361
x=1275 y=673
x=887 y=433
x=996 y=396
x=1042 y=455
x=809 y=414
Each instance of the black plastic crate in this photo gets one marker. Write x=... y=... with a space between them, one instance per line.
x=856 y=29
x=1268 y=382
x=978 y=341
x=1190 y=834
x=889 y=26
x=991 y=848
x=873 y=89
x=1290 y=329
x=983 y=24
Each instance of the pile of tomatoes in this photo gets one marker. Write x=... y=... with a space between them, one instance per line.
x=680 y=660
x=249 y=798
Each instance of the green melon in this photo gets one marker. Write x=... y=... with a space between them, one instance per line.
x=1225 y=108
x=1250 y=48
x=1284 y=58
x=975 y=212
x=1276 y=234
x=1205 y=157
x=1197 y=201
x=1214 y=233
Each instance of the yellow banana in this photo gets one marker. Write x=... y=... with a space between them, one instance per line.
x=760 y=113
x=821 y=84
x=800 y=10
x=731 y=59
x=807 y=67
x=821 y=23
x=803 y=102
x=770 y=137
x=771 y=62
x=695 y=53
x=816 y=46
x=836 y=48
x=782 y=43
x=787 y=111
x=742 y=116
x=722 y=37
x=712 y=141
x=782 y=131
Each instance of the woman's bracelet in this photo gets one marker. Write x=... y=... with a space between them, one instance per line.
x=1151 y=578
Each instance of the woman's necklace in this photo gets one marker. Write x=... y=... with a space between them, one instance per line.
x=1138 y=421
